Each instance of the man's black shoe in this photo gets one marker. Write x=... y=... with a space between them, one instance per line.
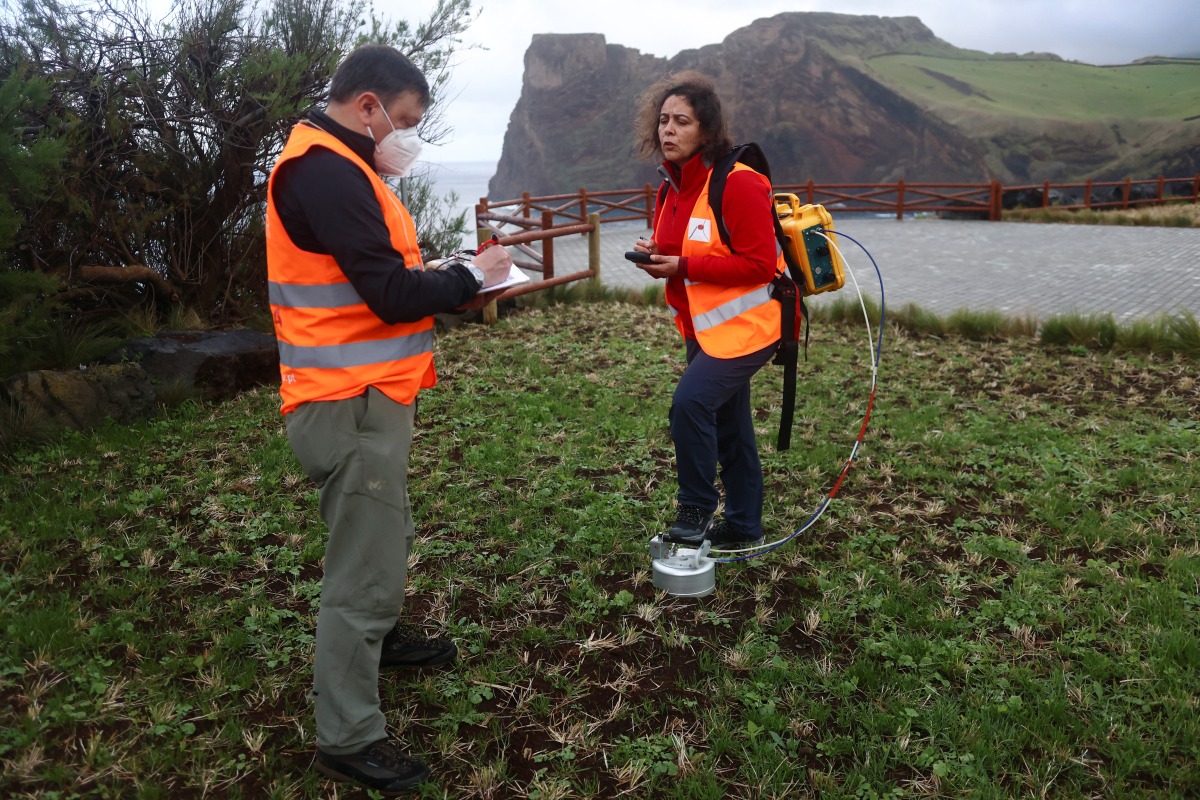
x=722 y=534
x=381 y=766
x=406 y=646
x=691 y=524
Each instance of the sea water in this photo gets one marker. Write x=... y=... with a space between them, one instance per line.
x=467 y=179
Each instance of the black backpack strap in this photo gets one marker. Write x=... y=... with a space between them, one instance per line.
x=797 y=274
x=749 y=154
x=787 y=293
x=658 y=201
x=785 y=288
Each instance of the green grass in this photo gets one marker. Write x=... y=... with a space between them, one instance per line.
x=1046 y=88
x=1003 y=600
x=1167 y=334
x=1165 y=216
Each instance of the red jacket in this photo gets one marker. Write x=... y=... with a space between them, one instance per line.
x=746 y=208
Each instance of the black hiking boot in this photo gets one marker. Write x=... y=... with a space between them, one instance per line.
x=381 y=766
x=722 y=534
x=405 y=646
x=691 y=524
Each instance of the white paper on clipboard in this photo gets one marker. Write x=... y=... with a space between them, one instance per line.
x=515 y=277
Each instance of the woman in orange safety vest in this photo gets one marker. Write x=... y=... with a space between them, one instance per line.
x=721 y=300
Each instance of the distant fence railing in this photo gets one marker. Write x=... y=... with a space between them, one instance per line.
x=981 y=200
x=527 y=219
x=544 y=231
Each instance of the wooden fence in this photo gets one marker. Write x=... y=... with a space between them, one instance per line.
x=526 y=219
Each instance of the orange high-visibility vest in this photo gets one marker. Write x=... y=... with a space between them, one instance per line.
x=729 y=321
x=331 y=345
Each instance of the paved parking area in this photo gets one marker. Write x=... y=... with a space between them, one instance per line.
x=1015 y=268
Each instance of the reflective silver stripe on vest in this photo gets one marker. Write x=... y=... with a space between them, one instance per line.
x=735 y=307
x=312 y=295
x=358 y=354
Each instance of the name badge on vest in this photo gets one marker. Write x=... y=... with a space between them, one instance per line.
x=698 y=230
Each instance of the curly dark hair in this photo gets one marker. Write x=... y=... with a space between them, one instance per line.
x=700 y=91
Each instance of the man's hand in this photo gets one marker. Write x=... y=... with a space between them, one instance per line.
x=495 y=263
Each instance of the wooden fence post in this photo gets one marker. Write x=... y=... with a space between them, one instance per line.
x=583 y=206
x=1125 y=191
x=900 y=200
x=1045 y=194
x=526 y=206
x=490 y=313
x=811 y=190
x=547 y=246
x=995 y=205
x=594 y=246
x=650 y=196
x=1087 y=194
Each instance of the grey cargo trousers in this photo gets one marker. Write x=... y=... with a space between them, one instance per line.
x=356 y=450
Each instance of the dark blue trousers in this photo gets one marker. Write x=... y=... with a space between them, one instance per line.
x=711 y=424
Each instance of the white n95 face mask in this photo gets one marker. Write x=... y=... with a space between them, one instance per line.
x=396 y=152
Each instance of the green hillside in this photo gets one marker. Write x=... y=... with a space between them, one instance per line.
x=1048 y=89
x=842 y=98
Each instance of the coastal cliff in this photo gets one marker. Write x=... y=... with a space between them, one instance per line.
x=839 y=98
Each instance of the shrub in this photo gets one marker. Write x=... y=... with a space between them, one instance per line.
x=24 y=321
x=170 y=126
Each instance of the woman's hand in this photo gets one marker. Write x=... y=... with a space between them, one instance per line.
x=643 y=245
x=663 y=266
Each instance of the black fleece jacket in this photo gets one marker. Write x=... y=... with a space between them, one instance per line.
x=327 y=206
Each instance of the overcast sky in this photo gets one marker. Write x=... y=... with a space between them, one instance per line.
x=487 y=83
